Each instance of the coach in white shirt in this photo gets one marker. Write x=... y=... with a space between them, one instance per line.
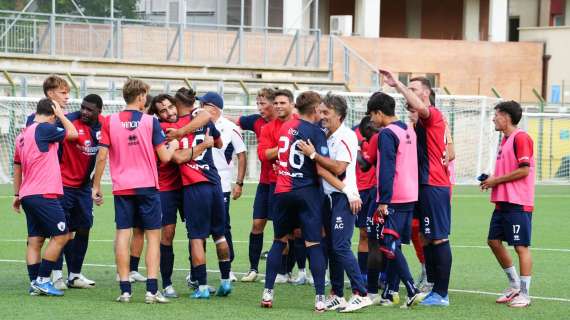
x=223 y=158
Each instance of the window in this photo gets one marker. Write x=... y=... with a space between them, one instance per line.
x=404 y=77
x=514 y=23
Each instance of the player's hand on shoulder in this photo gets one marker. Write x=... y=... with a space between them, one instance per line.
x=173 y=134
x=16 y=204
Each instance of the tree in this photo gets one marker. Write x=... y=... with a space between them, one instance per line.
x=96 y=8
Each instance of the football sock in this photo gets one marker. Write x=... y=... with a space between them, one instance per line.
x=363 y=262
x=525 y=285
x=134 y=263
x=318 y=267
x=33 y=271
x=58 y=266
x=514 y=280
x=300 y=253
x=225 y=267
x=255 y=247
x=283 y=266
x=125 y=287
x=291 y=257
x=274 y=263
x=404 y=272
x=443 y=260
x=228 y=236
x=200 y=274
x=151 y=285
x=166 y=264
x=45 y=269
x=78 y=251
x=429 y=262
x=373 y=275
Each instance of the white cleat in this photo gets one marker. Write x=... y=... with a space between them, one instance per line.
x=233 y=277
x=301 y=279
x=59 y=284
x=155 y=298
x=80 y=282
x=426 y=287
x=281 y=278
x=520 y=301
x=375 y=298
x=508 y=295
x=267 y=298
x=125 y=297
x=412 y=301
x=251 y=276
x=169 y=292
x=335 y=302
x=320 y=303
x=357 y=302
x=136 y=277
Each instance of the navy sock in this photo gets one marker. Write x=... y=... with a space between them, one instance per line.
x=373 y=275
x=318 y=267
x=166 y=264
x=300 y=253
x=283 y=266
x=443 y=260
x=192 y=271
x=404 y=272
x=274 y=263
x=78 y=251
x=134 y=263
x=151 y=285
x=59 y=262
x=46 y=267
x=228 y=236
x=255 y=247
x=125 y=287
x=430 y=270
x=291 y=257
x=363 y=262
x=33 y=270
x=200 y=274
x=225 y=267
x=68 y=254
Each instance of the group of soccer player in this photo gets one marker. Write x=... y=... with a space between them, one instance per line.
x=319 y=179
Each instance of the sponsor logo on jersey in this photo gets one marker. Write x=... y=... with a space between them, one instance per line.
x=290 y=174
x=130 y=124
x=338 y=224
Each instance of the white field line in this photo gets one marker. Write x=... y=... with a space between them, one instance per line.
x=354 y=244
x=263 y=275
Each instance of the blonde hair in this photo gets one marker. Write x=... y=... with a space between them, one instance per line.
x=134 y=88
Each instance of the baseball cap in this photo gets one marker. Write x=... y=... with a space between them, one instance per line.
x=212 y=98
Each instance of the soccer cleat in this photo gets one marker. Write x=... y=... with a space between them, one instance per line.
x=384 y=302
x=125 y=297
x=335 y=302
x=281 y=278
x=233 y=277
x=201 y=293
x=375 y=298
x=320 y=305
x=47 y=288
x=356 y=302
x=251 y=276
x=59 y=284
x=520 y=301
x=426 y=287
x=169 y=292
x=193 y=284
x=412 y=301
x=155 y=298
x=136 y=277
x=267 y=298
x=80 y=282
x=508 y=295
x=301 y=279
x=225 y=288
x=32 y=291
x=435 y=300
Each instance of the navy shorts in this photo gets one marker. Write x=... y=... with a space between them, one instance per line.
x=261 y=203
x=301 y=207
x=78 y=207
x=511 y=224
x=340 y=220
x=171 y=204
x=368 y=198
x=402 y=215
x=227 y=198
x=45 y=216
x=204 y=210
x=141 y=211
x=435 y=212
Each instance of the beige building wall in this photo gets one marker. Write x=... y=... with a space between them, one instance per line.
x=467 y=68
x=526 y=10
x=557 y=40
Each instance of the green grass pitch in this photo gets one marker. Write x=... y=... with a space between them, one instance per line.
x=476 y=275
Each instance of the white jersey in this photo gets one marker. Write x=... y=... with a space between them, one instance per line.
x=223 y=158
x=343 y=146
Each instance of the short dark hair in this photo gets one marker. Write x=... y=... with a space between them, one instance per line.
x=366 y=127
x=336 y=102
x=432 y=97
x=45 y=107
x=307 y=102
x=53 y=82
x=512 y=108
x=185 y=96
x=423 y=80
x=94 y=99
x=157 y=99
x=284 y=92
x=380 y=101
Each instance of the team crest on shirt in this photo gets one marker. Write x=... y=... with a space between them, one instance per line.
x=324 y=150
x=61 y=226
x=293 y=132
x=339 y=224
x=87 y=143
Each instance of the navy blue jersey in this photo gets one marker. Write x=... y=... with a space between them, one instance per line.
x=296 y=170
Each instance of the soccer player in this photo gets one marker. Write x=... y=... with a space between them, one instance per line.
x=512 y=192
x=37 y=187
x=233 y=145
x=203 y=199
x=261 y=204
x=132 y=140
x=267 y=151
x=298 y=196
x=434 y=185
x=397 y=190
x=342 y=204
x=77 y=160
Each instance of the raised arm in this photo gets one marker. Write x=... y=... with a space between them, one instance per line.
x=414 y=102
x=200 y=119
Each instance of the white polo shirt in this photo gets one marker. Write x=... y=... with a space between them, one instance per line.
x=343 y=146
x=223 y=158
